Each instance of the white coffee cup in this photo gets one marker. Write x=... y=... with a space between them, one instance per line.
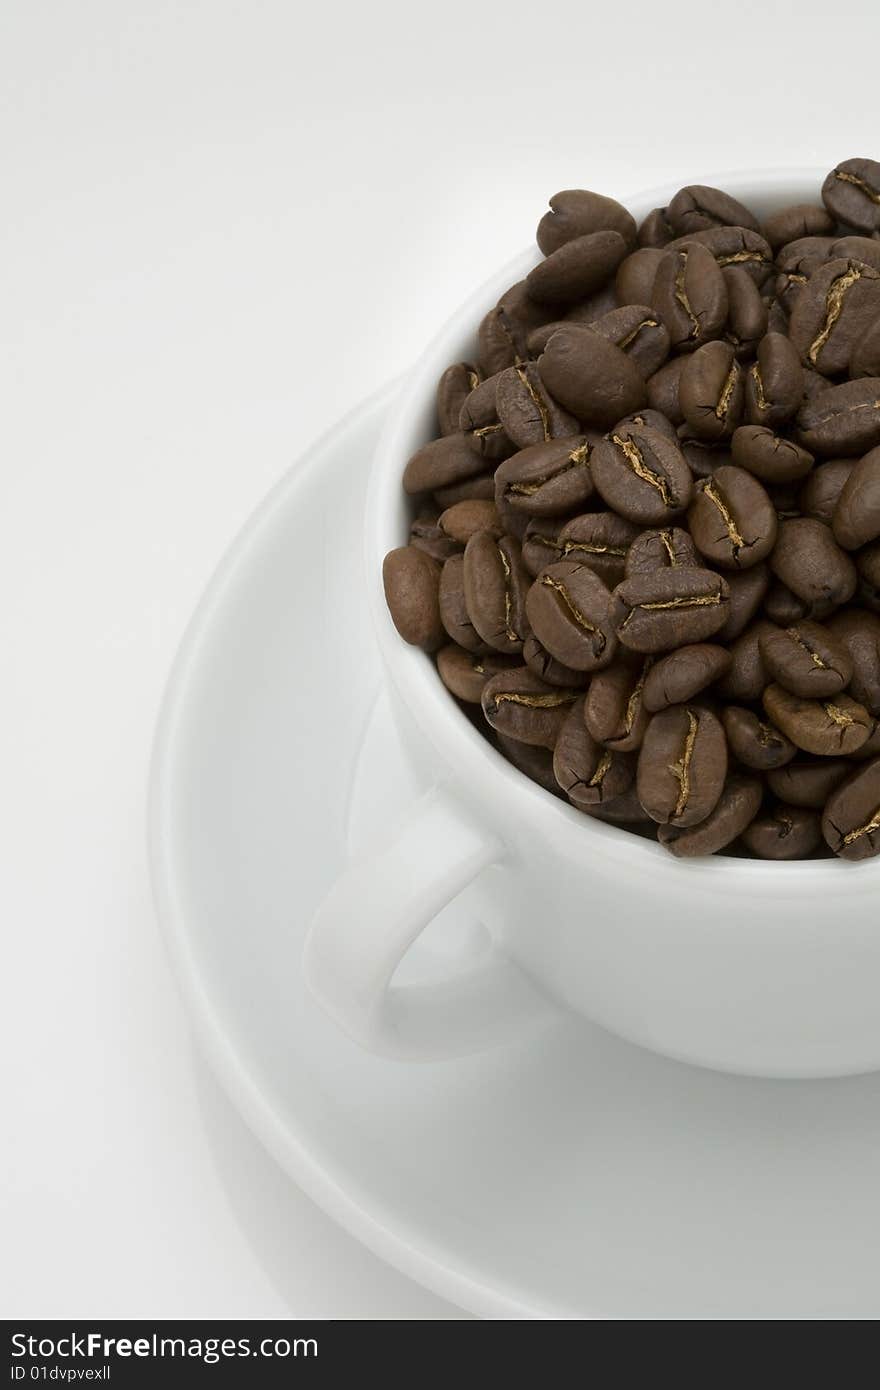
x=771 y=969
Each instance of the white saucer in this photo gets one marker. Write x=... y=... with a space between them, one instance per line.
x=573 y=1176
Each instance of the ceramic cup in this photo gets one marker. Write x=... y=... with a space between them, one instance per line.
x=741 y=965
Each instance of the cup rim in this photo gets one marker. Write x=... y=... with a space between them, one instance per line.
x=490 y=778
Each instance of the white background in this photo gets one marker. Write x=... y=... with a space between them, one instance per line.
x=223 y=224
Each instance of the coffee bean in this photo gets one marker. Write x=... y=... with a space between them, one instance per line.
x=732 y=813
x=480 y=488
x=851 y=193
x=624 y=810
x=682 y=765
x=859 y=634
x=697 y=207
x=519 y=705
x=754 y=742
x=449 y=459
x=808 y=784
x=592 y=378
x=807 y=659
x=655 y=230
x=678 y=677
x=783 y=607
x=495 y=585
x=480 y=423
x=856 y=518
x=786 y=832
x=703 y=457
x=777 y=322
x=857 y=248
x=589 y=310
x=690 y=296
x=735 y=246
x=550 y=479
x=654 y=550
x=864 y=360
x=746 y=311
x=599 y=540
x=576 y=212
x=711 y=391
x=775 y=383
x=838 y=304
x=569 y=610
x=577 y=269
x=669 y=608
x=535 y=763
x=412 y=588
x=466 y=674
x=527 y=412
x=746 y=677
x=809 y=561
x=614 y=711
x=870 y=748
x=453 y=388
x=798 y=220
x=732 y=520
x=663 y=388
x=831 y=728
x=851 y=822
x=642 y=475
x=453 y=608
x=638 y=332
x=465 y=519
x=747 y=589
x=769 y=456
x=822 y=488
x=588 y=773
x=634 y=282
x=541 y=545
x=842 y=420
x=425 y=534
x=501 y=342
x=551 y=671
x=647 y=419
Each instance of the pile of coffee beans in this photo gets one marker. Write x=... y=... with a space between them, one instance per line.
x=646 y=540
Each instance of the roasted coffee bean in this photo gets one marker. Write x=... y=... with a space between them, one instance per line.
x=495 y=585
x=680 y=675
x=588 y=773
x=480 y=423
x=655 y=230
x=551 y=479
x=809 y=561
x=840 y=301
x=654 y=550
x=453 y=608
x=732 y=813
x=711 y=391
x=449 y=459
x=425 y=534
x=412 y=592
x=735 y=246
x=808 y=784
x=682 y=765
x=769 y=456
x=690 y=296
x=851 y=193
x=786 y=832
x=540 y=337
x=753 y=741
x=785 y=498
x=536 y=763
x=669 y=608
x=857 y=248
x=703 y=457
x=480 y=488
x=465 y=519
x=662 y=389
x=856 y=518
x=864 y=360
x=638 y=332
x=554 y=672
x=807 y=659
x=831 y=728
x=527 y=412
x=541 y=545
x=453 y=388
x=842 y=420
x=634 y=282
x=798 y=220
x=870 y=748
x=859 y=634
x=697 y=207
x=589 y=310
x=624 y=810
x=851 y=822
x=774 y=383
x=577 y=269
x=591 y=377
x=466 y=674
x=746 y=678
x=569 y=610
x=777 y=322
x=647 y=419
x=601 y=541
x=642 y=475
x=519 y=705
x=576 y=213
x=732 y=520
x=822 y=488
x=747 y=589
x=501 y=342
x=614 y=711
x=746 y=311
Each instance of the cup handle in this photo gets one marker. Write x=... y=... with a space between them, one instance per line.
x=373 y=914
